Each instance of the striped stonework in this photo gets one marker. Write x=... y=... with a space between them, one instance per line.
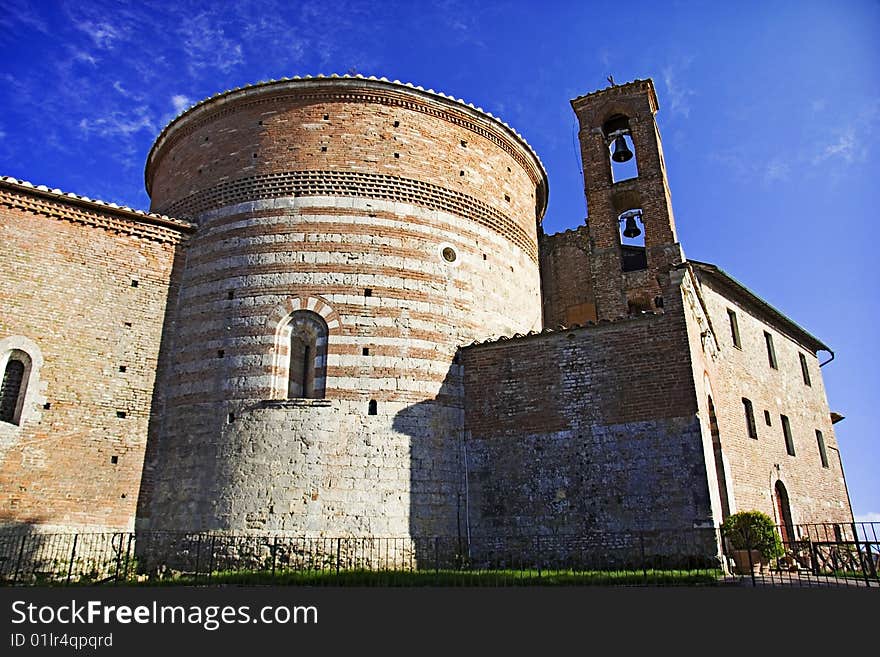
x=410 y=229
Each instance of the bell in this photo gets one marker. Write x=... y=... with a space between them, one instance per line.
x=631 y=230
x=621 y=150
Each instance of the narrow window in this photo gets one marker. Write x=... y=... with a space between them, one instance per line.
x=786 y=430
x=734 y=329
x=820 y=440
x=13 y=387
x=372 y=407
x=767 y=419
x=750 y=418
x=307 y=340
x=804 y=370
x=771 y=352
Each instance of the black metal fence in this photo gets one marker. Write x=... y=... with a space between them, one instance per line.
x=818 y=554
x=814 y=555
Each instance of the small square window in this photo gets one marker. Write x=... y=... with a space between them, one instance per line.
x=365 y=351
x=114 y=459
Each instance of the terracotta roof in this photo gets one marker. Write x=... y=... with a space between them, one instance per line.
x=97 y=204
x=561 y=329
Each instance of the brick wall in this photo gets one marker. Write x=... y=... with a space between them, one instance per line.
x=592 y=428
x=566 y=278
x=67 y=273
x=355 y=234
x=816 y=494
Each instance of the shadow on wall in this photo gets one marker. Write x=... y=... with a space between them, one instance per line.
x=437 y=488
x=164 y=370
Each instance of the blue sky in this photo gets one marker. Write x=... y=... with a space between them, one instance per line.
x=769 y=111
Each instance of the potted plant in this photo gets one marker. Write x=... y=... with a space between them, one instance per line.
x=754 y=540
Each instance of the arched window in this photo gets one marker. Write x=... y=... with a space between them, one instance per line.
x=306 y=338
x=14 y=386
x=621 y=149
x=783 y=513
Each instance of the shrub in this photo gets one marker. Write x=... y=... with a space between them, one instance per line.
x=753 y=530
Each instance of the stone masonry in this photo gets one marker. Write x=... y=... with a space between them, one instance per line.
x=356 y=327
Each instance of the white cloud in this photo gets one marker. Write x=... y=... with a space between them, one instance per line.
x=119 y=124
x=871 y=516
x=777 y=169
x=677 y=93
x=20 y=11
x=846 y=147
x=83 y=56
x=102 y=33
x=207 y=45
x=180 y=102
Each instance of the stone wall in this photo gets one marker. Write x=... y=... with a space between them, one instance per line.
x=588 y=429
x=359 y=234
x=83 y=289
x=754 y=465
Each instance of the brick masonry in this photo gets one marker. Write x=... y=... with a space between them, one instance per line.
x=593 y=428
x=339 y=196
x=69 y=270
x=309 y=199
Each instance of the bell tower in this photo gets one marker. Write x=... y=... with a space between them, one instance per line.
x=631 y=229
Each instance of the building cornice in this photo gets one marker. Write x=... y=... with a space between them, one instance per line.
x=39 y=199
x=356 y=89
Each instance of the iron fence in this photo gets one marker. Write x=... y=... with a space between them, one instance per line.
x=814 y=555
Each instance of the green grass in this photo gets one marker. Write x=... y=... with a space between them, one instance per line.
x=461 y=578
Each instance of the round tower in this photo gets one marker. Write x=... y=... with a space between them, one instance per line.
x=352 y=234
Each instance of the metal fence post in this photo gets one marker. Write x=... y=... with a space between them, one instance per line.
x=211 y=562
x=127 y=554
x=751 y=564
x=338 y=550
x=644 y=567
x=274 y=552
x=20 y=555
x=538 y=553
x=198 y=555
x=72 y=557
x=118 y=558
